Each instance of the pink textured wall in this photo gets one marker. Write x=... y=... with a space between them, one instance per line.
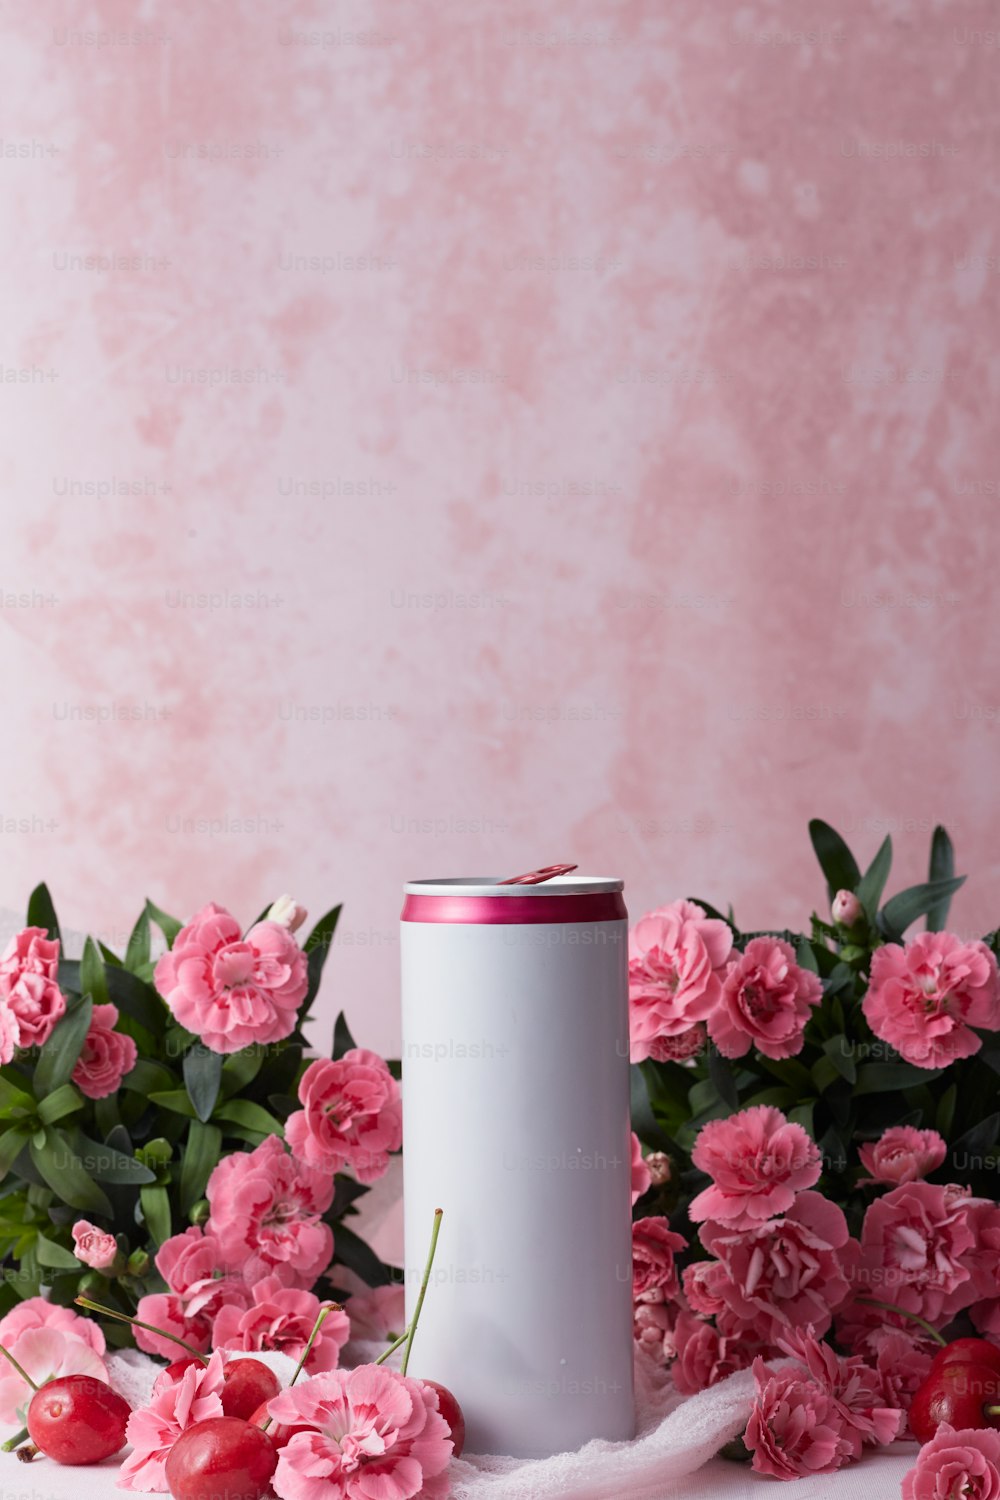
x=616 y=480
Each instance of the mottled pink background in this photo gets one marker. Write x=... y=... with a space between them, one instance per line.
x=682 y=531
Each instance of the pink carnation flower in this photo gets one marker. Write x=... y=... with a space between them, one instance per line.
x=758 y=1161
x=653 y=1329
x=377 y=1312
x=232 y=991
x=353 y=1115
x=175 y=1405
x=10 y=1033
x=964 y=1463
x=766 y=1001
x=924 y=998
x=902 y=1155
x=705 y=1356
x=35 y=1312
x=682 y=1047
x=642 y=1177
x=901 y=1363
x=654 y=1245
x=266 y=1210
x=200 y=1282
x=676 y=959
x=106 y=1056
x=378 y=1436
x=282 y=1318
x=914 y=1246
x=787 y=1273
x=93 y=1246
x=43 y=1353
x=29 y=986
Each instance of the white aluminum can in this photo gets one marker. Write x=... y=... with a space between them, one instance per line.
x=516 y=1124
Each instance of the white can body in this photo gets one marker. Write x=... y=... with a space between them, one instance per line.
x=516 y=1124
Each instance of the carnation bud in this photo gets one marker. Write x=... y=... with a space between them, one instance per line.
x=201 y=1211
x=138 y=1263
x=846 y=908
x=658 y=1163
x=287 y=911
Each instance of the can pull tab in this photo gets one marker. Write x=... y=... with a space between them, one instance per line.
x=537 y=877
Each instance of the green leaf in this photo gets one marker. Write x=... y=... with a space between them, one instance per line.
x=721 y=1075
x=360 y=1258
x=942 y=867
x=156 y=1212
x=168 y=925
x=42 y=913
x=202 y=1078
x=12 y=1097
x=977 y=1142
x=62 y=1101
x=316 y=949
x=872 y=882
x=891 y=1077
x=146 y=1077
x=137 y=999
x=841 y=1054
x=92 y=980
x=240 y=1069
x=802 y=1115
x=824 y=1073
x=805 y=956
x=176 y=1100
x=945 y=1116
x=55 y=1256
x=138 y=951
x=644 y=1122
x=66 y=1175
x=836 y=860
x=244 y=1112
x=201 y=1154
x=342 y=1038
x=897 y=913
x=59 y=1056
x=12 y=1143
x=107 y=1164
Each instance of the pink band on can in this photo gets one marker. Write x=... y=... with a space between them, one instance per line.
x=596 y=906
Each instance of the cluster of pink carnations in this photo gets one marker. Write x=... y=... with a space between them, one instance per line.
x=687 y=984
x=782 y=1272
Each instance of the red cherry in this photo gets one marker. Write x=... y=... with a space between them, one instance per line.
x=452 y=1413
x=959 y=1394
x=177 y=1368
x=78 y=1420
x=967 y=1351
x=224 y=1458
x=248 y=1383
x=277 y=1431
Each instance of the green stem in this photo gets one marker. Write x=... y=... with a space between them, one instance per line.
x=902 y=1313
x=991 y=1411
x=23 y=1373
x=321 y=1318
x=15 y=1441
x=109 y=1312
x=393 y=1347
x=423 y=1290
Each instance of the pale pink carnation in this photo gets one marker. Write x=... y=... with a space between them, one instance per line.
x=352 y=1116
x=787 y=1273
x=201 y=1280
x=758 y=1161
x=232 y=991
x=854 y=1385
x=10 y=1033
x=901 y=1362
x=378 y=1436
x=654 y=1245
x=703 y=1282
x=846 y=908
x=677 y=956
x=705 y=1356
x=925 y=997
x=914 y=1244
x=106 y=1056
x=93 y=1246
x=984 y=1266
x=175 y=1405
x=962 y=1465
x=653 y=1329
x=266 y=1210
x=35 y=1312
x=29 y=987
x=282 y=1318
x=796 y=1428
x=903 y=1154
x=42 y=1353
x=288 y=912
x=766 y=1001
x=377 y=1312
x=682 y=1047
x=642 y=1177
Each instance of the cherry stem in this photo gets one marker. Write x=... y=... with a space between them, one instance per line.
x=991 y=1411
x=23 y=1373
x=397 y=1344
x=109 y=1312
x=321 y=1318
x=15 y=1441
x=902 y=1313
x=438 y=1213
